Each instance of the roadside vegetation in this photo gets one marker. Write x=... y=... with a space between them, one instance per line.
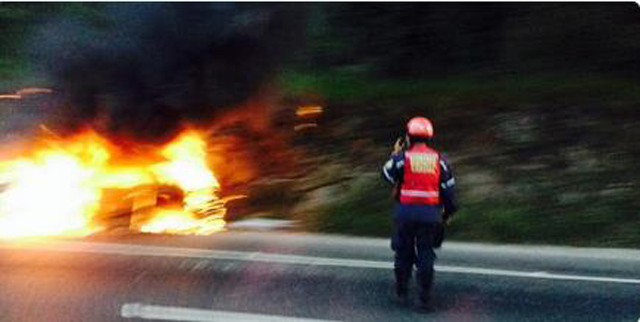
x=540 y=160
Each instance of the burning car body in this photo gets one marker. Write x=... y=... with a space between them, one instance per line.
x=78 y=186
x=122 y=142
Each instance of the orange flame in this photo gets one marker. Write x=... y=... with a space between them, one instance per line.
x=58 y=188
x=308 y=110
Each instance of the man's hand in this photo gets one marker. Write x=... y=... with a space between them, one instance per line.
x=398 y=146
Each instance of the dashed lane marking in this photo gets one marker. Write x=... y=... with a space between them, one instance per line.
x=175 y=313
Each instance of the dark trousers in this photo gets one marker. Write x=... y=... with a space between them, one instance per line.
x=413 y=244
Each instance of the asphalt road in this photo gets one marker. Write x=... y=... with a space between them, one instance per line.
x=269 y=276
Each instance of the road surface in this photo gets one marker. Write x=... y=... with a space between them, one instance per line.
x=277 y=276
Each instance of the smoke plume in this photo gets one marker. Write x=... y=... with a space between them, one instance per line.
x=140 y=70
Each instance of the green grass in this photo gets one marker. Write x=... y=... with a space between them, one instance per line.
x=365 y=209
x=355 y=87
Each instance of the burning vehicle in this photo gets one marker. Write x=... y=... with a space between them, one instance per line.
x=78 y=186
x=124 y=142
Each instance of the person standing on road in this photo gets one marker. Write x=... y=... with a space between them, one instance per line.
x=424 y=192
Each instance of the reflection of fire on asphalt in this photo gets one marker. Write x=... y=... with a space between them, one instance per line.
x=84 y=184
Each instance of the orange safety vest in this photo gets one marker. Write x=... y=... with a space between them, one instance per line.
x=421 y=181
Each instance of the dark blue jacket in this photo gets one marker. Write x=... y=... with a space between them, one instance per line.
x=393 y=172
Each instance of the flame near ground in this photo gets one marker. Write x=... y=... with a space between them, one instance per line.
x=57 y=188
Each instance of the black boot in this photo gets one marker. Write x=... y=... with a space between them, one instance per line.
x=402 y=287
x=425 y=280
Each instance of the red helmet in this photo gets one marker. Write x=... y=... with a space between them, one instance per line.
x=420 y=127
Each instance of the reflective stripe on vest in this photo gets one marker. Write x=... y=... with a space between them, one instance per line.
x=419 y=193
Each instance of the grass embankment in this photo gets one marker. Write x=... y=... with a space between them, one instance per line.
x=539 y=160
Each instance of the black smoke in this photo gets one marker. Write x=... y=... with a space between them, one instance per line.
x=141 y=70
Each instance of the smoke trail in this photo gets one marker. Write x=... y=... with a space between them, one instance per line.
x=143 y=69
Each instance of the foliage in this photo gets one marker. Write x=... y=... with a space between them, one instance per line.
x=363 y=209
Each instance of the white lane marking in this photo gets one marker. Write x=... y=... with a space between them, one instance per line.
x=194 y=253
x=539 y=275
x=174 y=313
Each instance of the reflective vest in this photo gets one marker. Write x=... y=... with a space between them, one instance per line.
x=421 y=181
